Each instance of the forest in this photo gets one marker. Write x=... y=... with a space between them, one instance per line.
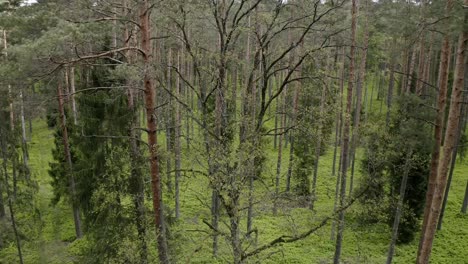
x=233 y=131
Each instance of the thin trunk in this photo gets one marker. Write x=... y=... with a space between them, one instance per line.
x=150 y=104
x=346 y=130
x=438 y=130
x=72 y=96
x=399 y=209
x=410 y=71
x=10 y=203
x=177 y=139
x=137 y=180
x=391 y=84
x=465 y=200
x=24 y=139
x=291 y=147
x=449 y=145
x=278 y=163
x=405 y=75
x=357 y=113
x=313 y=197
x=339 y=113
x=66 y=148
x=169 y=124
x=337 y=191
x=421 y=66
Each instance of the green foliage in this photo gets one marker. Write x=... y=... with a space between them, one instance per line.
x=385 y=161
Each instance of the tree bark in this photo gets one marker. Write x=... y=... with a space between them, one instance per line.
x=438 y=130
x=278 y=163
x=24 y=140
x=465 y=200
x=313 y=197
x=399 y=209
x=410 y=71
x=72 y=95
x=346 y=130
x=150 y=104
x=339 y=113
x=453 y=161
x=177 y=146
x=67 y=153
x=357 y=113
x=10 y=203
x=449 y=144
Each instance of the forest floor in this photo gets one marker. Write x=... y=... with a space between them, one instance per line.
x=362 y=244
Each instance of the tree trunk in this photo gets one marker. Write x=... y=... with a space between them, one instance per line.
x=391 y=84
x=137 y=181
x=465 y=200
x=410 y=71
x=399 y=209
x=66 y=148
x=339 y=113
x=421 y=65
x=10 y=203
x=313 y=197
x=449 y=145
x=453 y=161
x=72 y=95
x=291 y=147
x=177 y=139
x=169 y=124
x=278 y=163
x=150 y=104
x=438 y=130
x=24 y=139
x=346 y=130
x=357 y=113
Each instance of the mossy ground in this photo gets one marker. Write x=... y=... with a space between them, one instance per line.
x=362 y=244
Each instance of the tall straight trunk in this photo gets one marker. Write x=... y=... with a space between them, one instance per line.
x=72 y=96
x=10 y=203
x=357 y=113
x=391 y=85
x=339 y=113
x=169 y=124
x=399 y=209
x=346 y=130
x=71 y=177
x=291 y=146
x=428 y=64
x=187 y=90
x=405 y=75
x=177 y=139
x=337 y=189
x=438 y=130
x=318 y=149
x=10 y=96
x=2 y=204
x=465 y=201
x=449 y=145
x=410 y=71
x=449 y=181
x=275 y=136
x=280 y=157
x=137 y=181
x=150 y=105
x=455 y=152
x=421 y=66
x=24 y=140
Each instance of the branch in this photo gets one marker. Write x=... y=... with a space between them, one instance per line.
x=289 y=239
